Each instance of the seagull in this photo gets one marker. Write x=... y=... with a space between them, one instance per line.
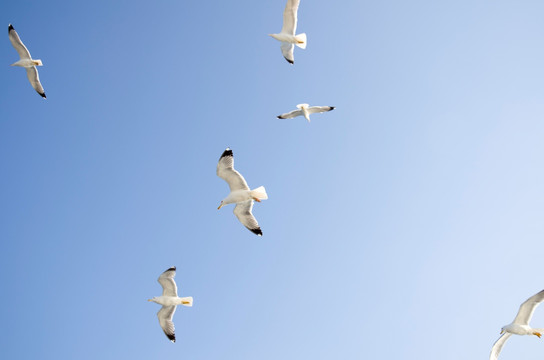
x=305 y=110
x=287 y=35
x=169 y=300
x=239 y=192
x=26 y=61
x=520 y=325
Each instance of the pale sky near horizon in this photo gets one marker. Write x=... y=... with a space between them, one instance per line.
x=408 y=222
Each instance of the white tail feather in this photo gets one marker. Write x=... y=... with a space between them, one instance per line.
x=187 y=301
x=259 y=193
x=301 y=40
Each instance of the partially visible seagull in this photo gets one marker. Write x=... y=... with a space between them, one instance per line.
x=26 y=61
x=239 y=192
x=287 y=35
x=305 y=110
x=169 y=300
x=520 y=325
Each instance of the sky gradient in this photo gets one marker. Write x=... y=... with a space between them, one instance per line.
x=405 y=223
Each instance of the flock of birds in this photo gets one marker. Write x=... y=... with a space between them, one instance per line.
x=241 y=195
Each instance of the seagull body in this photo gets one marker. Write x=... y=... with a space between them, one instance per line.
x=287 y=35
x=26 y=61
x=520 y=325
x=240 y=193
x=305 y=110
x=169 y=300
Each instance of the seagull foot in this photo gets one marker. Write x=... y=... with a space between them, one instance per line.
x=537 y=334
x=257 y=200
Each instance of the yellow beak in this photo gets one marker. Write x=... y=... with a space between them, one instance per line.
x=220 y=206
x=502 y=332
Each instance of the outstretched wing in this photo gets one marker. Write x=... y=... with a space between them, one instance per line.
x=290 y=17
x=287 y=52
x=497 y=347
x=165 y=315
x=32 y=74
x=527 y=309
x=243 y=213
x=17 y=43
x=319 y=109
x=167 y=282
x=290 y=115
x=225 y=170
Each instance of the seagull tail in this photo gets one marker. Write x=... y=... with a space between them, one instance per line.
x=187 y=301
x=259 y=193
x=301 y=40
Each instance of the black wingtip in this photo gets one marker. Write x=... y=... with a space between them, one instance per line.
x=10 y=28
x=171 y=337
x=289 y=61
x=43 y=95
x=279 y=117
x=170 y=269
x=257 y=231
x=227 y=152
x=332 y=107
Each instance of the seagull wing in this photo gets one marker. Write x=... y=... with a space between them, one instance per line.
x=290 y=17
x=290 y=115
x=32 y=74
x=243 y=213
x=287 y=52
x=165 y=315
x=18 y=44
x=225 y=170
x=319 y=109
x=497 y=346
x=527 y=309
x=167 y=282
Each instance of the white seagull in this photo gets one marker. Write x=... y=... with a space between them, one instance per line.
x=305 y=110
x=239 y=192
x=169 y=300
x=26 y=61
x=520 y=325
x=287 y=35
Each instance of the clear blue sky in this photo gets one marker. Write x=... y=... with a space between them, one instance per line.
x=412 y=210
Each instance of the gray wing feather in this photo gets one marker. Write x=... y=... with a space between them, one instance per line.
x=527 y=309
x=18 y=44
x=165 y=315
x=497 y=346
x=245 y=216
x=169 y=287
x=32 y=74
x=290 y=17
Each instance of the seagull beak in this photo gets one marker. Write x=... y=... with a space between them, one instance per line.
x=502 y=332
x=220 y=206
x=148 y=299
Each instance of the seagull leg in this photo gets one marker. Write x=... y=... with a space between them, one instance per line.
x=257 y=200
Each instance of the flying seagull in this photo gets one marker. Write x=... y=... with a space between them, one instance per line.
x=287 y=35
x=305 y=110
x=239 y=192
x=169 y=300
x=26 y=61
x=520 y=325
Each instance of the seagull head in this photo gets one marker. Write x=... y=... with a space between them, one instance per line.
x=152 y=299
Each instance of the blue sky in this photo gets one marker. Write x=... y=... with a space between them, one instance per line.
x=410 y=212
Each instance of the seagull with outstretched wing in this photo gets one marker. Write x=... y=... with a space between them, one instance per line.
x=26 y=61
x=169 y=300
x=240 y=192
